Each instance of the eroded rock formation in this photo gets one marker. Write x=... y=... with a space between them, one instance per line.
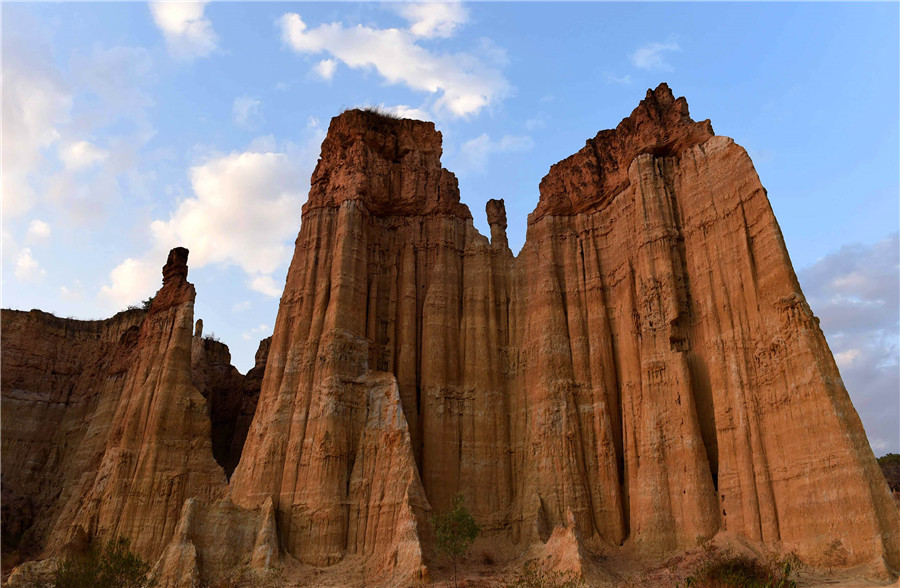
x=105 y=432
x=644 y=373
x=647 y=362
x=230 y=396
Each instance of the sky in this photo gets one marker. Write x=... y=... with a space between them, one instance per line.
x=130 y=128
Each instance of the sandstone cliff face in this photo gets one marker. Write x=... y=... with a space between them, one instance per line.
x=647 y=362
x=116 y=435
x=57 y=374
x=644 y=373
x=231 y=397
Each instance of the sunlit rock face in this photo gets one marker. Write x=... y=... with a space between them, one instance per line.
x=647 y=362
x=645 y=372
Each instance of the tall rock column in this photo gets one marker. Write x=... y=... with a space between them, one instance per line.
x=158 y=451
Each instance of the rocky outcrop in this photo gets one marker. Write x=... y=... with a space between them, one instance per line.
x=116 y=435
x=58 y=376
x=645 y=373
x=647 y=362
x=230 y=396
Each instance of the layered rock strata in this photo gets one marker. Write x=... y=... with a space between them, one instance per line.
x=104 y=432
x=645 y=372
x=230 y=396
x=647 y=362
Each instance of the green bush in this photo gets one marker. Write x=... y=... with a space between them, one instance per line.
x=113 y=565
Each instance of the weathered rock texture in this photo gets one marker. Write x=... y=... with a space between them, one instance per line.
x=646 y=372
x=230 y=396
x=647 y=362
x=104 y=434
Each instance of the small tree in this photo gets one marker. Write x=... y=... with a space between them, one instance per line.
x=455 y=531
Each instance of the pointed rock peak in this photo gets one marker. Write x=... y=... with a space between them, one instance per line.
x=496 y=212
x=660 y=118
x=176 y=266
x=660 y=125
x=390 y=165
x=496 y=217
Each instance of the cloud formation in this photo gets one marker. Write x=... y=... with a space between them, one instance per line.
x=81 y=154
x=36 y=103
x=188 y=33
x=650 y=56
x=462 y=84
x=326 y=68
x=433 y=19
x=855 y=292
x=38 y=232
x=27 y=267
x=244 y=211
x=247 y=112
x=475 y=153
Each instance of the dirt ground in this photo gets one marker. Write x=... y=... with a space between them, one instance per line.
x=489 y=564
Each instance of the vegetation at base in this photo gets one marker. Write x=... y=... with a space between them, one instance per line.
x=533 y=576
x=889 y=459
x=112 y=565
x=454 y=531
x=726 y=569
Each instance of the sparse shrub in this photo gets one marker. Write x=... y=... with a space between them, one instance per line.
x=113 y=565
x=147 y=303
x=727 y=569
x=455 y=530
x=533 y=576
x=889 y=459
x=380 y=111
x=211 y=337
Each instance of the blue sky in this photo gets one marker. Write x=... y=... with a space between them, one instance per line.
x=131 y=127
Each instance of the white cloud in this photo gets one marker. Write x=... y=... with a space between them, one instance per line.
x=81 y=154
x=241 y=306
x=255 y=332
x=855 y=292
x=538 y=122
x=326 y=68
x=650 y=56
x=404 y=111
x=133 y=280
x=27 y=267
x=38 y=231
x=465 y=84
x=189 y=34
x=35 y=104
x=265 y=285
x=245 y=209
x=246 y=112
x=621 y=80
x=433 y=19
x=312 y=122
x=76 y=292
x=476 y=152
